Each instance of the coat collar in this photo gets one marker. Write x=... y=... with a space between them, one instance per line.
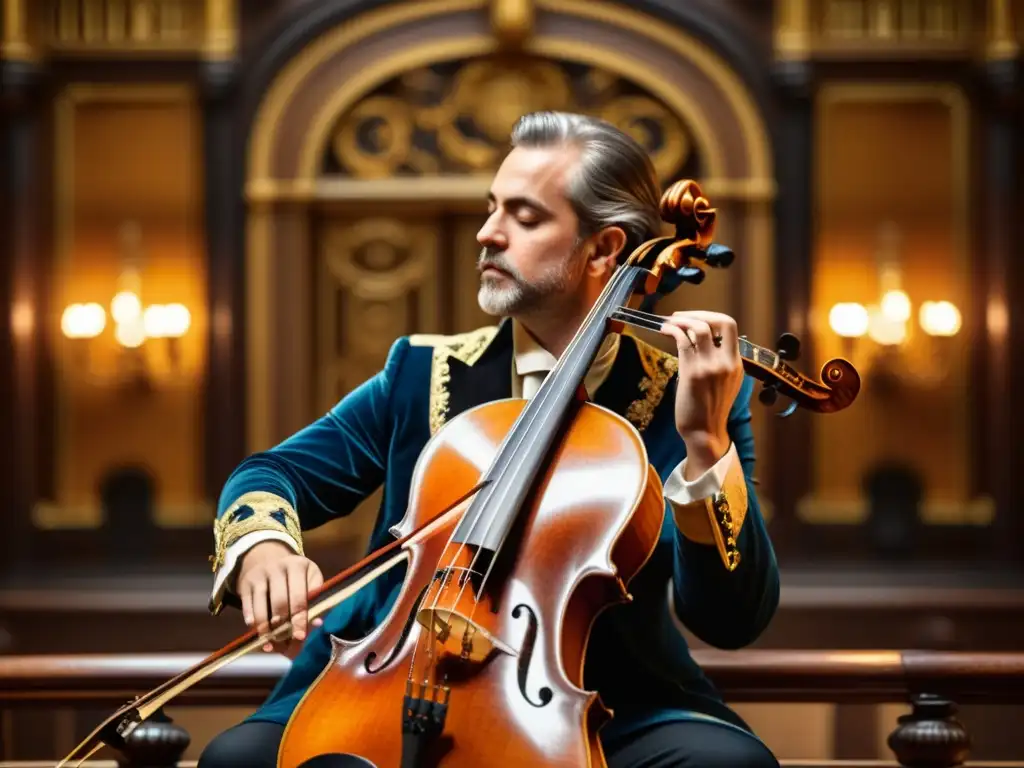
x=481 y=370
x=473 y=368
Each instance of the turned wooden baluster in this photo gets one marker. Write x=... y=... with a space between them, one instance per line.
x=157 y=743
x=931 y=735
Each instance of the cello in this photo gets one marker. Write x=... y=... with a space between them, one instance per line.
x=526 y=520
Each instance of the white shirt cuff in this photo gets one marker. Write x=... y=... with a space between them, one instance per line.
x=680 y=491
x=224 y=579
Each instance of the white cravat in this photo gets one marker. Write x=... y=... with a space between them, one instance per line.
x=531 y=363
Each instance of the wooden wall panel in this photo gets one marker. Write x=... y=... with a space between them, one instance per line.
x=893 y=155
x=127 y=154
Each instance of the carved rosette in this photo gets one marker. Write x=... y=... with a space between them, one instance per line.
x=455 y=117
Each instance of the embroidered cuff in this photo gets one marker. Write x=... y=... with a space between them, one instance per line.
x=256 y=511
x=717 y=518
x=224 y=580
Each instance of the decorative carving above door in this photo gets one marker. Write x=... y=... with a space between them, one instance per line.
x=455 y=117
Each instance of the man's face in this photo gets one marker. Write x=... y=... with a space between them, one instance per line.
x=530 y=255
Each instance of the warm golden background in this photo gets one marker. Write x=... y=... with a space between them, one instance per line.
x=218 y=214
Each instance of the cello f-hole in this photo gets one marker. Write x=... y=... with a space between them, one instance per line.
x=545 y=694
x=401 y=639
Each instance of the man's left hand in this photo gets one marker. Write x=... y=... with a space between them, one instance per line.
x=710 y=376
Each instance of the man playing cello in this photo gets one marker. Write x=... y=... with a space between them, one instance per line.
x=573 y=198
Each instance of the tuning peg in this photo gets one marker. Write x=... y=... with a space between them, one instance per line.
x=788 y=410
x=693 y=275
x=788 y=347
x=718 y=255
x=768 y=394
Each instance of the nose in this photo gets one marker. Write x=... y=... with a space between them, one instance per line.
x=491 y=234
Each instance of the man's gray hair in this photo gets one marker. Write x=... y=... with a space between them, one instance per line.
x=615 y=185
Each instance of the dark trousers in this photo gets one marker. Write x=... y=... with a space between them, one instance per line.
x=672 y=745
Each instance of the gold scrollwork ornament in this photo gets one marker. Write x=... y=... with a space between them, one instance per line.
x=631 y=115
x=392 y=267
x=391 y=130
x=493 y=97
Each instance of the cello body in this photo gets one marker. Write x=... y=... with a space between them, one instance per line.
x=493 y=659
x=526 y=520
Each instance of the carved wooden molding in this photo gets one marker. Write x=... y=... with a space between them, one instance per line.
x=859 y=29
x=118 y=28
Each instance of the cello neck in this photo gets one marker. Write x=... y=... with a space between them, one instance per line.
x=510 y=478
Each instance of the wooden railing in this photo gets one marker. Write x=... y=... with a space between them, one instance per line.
x=934 y=683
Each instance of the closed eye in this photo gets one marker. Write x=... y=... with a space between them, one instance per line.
x=527 y=211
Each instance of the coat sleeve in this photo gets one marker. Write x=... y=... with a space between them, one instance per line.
x=725 y=600
x=321 y=472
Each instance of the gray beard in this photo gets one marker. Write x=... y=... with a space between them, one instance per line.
x=514 y=295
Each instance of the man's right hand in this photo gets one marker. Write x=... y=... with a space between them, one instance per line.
x=273 y=584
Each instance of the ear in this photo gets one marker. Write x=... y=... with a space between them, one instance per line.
x=604 y=250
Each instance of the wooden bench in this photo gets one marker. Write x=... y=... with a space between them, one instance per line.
x=934 y=683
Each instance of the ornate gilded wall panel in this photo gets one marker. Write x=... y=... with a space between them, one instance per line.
x=378 y=278
x=163 y=28
x=919 y=21
x=297 y=118
x=865 y=30
x=455 y=117
x=127 y=394
x=891 y=237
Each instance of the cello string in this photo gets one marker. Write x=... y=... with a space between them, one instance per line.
x=600 y=307
x=630 y=267
x=548 y=390
x=750 y=351
x=525 y=433
x=627 y=270
x=638 y=320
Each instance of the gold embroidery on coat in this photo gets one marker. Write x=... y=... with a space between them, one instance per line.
x=660 y=367
x=262 y=506
x=718 y=519
x=440 y=375
x=465 y=347
x=725 y=532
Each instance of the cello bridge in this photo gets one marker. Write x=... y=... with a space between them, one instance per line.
x=459 y=635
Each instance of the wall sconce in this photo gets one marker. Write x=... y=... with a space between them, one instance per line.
x=893 y=357
x=137 y=329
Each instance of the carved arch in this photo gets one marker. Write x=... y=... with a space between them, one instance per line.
x=293 y=124
x=334 y=71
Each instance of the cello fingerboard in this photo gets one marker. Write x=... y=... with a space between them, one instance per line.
x=530 y=441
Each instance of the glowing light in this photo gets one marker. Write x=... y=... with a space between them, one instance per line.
x=848 y=319
x=178 y=320
x=130 y=334
x=154 y=320
x=83 y=321
x=896 y=306
x=125 y=307
x=884 y=330
x=940 y=318
x=163 y=321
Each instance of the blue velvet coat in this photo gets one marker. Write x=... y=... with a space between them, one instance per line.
x=637 y=658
